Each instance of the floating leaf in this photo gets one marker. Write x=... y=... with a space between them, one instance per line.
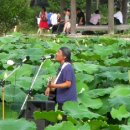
x=80 y=112
x=51 y=116
x=17 y=125
x=89 y=102
x=97 y=124
x=121 y=90
x=84 y=127
x=62 y=126
x=89 y=68
x=119 y=100
x=100 y=92
x=120 y=113
x=40 y=97
x=125 y=127
x=13 y=93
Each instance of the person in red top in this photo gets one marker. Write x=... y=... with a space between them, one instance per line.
x=43 y=20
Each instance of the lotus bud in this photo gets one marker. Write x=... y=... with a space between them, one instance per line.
x=10 y=62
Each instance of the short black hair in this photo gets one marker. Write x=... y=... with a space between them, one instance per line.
x=97 y=12
x=68 y=10
x=43 y=8
x=67 y=53
x=118 y=9
x=78 y=9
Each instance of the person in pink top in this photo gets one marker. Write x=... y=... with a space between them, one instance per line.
x=95 y=18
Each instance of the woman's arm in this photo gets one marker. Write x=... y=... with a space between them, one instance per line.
x=46 y=15
x=81 y=19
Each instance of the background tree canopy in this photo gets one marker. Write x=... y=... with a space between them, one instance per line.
x=11 y=12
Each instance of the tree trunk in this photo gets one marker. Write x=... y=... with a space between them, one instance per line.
x=124 y=10
x=32 y=3
x=62 y=4
x=97 y=2
x=88 y=10
x=29 y=3
x=73 y=16
x=103 y=1
x=110 y=16
x=35 y=2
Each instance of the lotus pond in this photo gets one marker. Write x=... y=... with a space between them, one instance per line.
x=101 y=65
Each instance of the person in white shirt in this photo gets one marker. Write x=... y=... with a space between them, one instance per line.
x=54 y=19
x=118 y=17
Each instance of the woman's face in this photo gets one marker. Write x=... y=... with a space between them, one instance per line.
x=59 y=56
x=43 y=10
x=68 y=13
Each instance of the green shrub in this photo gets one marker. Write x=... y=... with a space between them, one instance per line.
x=10 y=13
x=29 y=23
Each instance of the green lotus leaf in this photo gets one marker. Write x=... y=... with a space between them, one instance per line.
x=10 y=112
x=40 y=97
x=115 y=75
x=81 y=112
x=89 y=102
x=13 y=94
x=95 y=93
x=120 y=113
x=83 y=127
x=51 y=116
x=124 y=127
x=97 y=124
x=119 y=100
x=89 y=68
x=62 y=126
x=106 y=107
x=121 y=90
x=17 y=125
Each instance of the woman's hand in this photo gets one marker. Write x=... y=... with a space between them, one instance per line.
x=47 y=92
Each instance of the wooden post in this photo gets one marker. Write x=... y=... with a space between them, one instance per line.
x=73 y=16
x=124 y=10
x=97 y=4
x=35 y=2
x=88 y=10
x=111 y=16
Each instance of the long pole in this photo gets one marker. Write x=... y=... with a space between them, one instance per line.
x=33 y=82
x=3 y=105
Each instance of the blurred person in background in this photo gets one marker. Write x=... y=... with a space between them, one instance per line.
x=43 y=21
x=95 y=18
x=118 y=17
x=80 y=17
x=67 y=25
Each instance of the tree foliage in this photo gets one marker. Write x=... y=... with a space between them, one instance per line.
x=11 y=11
